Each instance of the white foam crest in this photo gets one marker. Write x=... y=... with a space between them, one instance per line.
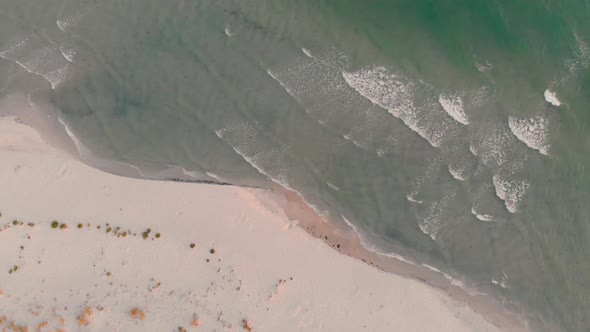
x=387 y=91
x=307 y=52
x=534 y=132
x=68 y=53
x=481 y=216
x=460 y=163
x=510 y=191
x=453 y=105
x=317 y=85
x=413 y=199
x=395 y=94
x=551 y=98
x=371 y=247
x=433 y=222
x=457 y=173
x=228 y=31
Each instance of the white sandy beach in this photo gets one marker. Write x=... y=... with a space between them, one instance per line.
x=251 y=268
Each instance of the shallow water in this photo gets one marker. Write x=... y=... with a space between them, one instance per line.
x=430 y=126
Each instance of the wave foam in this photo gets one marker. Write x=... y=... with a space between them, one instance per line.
x=551 y=98
x=510 y=191
x=306 y=52
x=453 y=105
x=317 y=84
x=457 y=173
x=68 y=53
x=495 y=146
x=389 y=92
x=228 y=31
x=431 y=171
x=482 y=217
x=433 y=222
x=534 y=132
x=34 y=55
x=395 y=93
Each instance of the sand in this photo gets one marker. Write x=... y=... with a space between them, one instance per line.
x=86 y=250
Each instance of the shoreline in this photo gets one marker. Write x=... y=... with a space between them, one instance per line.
x=345 y=243
x=348 y=242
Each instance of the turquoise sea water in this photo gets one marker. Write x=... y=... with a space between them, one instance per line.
x=426 y=124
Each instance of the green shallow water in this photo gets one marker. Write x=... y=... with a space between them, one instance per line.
x=423 y=123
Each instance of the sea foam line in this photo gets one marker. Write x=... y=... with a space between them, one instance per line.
x=284 y=183
x=371 y=247
x=82 y=150
x=454 y=281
